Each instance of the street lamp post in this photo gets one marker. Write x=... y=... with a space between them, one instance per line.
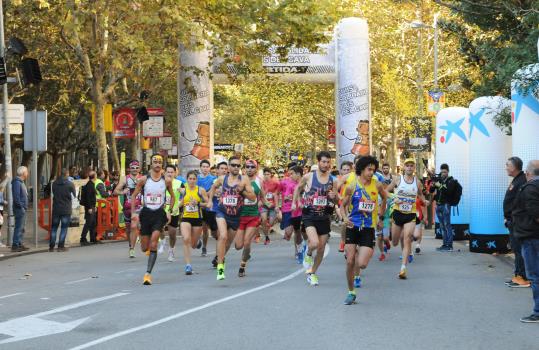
x=7 y=136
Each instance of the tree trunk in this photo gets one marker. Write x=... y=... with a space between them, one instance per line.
x=101 y=136
x=114 y=152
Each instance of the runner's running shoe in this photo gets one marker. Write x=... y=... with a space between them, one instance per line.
x=188 y=269
x=382 y=257
x=307 y=261
x=410 y=258
x=267 y=240
x=312 y=279
x=171 y=257
x=131 y=253
x=299 y=257
x=204 y=251
x=147 y=279
x=350 y=299
x=402 y=274
x=341 y=247
x=357 y=282
x=220 y=272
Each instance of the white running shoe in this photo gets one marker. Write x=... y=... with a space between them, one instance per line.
x=161 y=246
x=171 y=256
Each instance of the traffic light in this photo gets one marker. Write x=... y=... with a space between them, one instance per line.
x=3 y=72
x=31 y=74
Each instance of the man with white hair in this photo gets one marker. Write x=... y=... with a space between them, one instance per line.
x=20 y=204
x=526 y=230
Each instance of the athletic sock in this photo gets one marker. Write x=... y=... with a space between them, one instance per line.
x=220 y=266
x=403 y=267
x=151 y=261
x=246 y=255
x=352 y=292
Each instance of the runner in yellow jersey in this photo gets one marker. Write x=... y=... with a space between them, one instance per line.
x=193 y=199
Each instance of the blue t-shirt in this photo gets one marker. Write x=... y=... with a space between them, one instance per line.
x=379 y=177
x=206 y=181
x=182 y=179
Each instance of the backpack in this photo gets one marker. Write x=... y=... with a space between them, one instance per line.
x=454 y=200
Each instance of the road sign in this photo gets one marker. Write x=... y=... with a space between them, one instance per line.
x=37 y=140
x=165 y=143
x=153 y=127
x=15 y=129
x=15 y=114
x=223 y=147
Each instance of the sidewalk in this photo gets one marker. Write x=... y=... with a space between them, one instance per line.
x=42 y=242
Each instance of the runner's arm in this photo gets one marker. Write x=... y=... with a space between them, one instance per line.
x=248 y=191
x=345 y=204
x=299 y=190
x=204 y=197
x=168 y=183
x=138 y=189
x=119 y=188
x=218 y=182
x=420 y=192
x=384 y=194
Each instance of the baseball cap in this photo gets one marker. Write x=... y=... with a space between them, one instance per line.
x=409 y=160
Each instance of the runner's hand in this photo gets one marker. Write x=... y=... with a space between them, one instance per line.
x=209 y=205
x=168 y=218
x=331 y=194
x=348 y=223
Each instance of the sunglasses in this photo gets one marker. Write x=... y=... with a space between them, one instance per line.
x=135 y=168
x=250 y=167
x=235 y=165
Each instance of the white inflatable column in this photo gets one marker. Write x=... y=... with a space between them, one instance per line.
x=452 y=148
x=525 y=117
x=490 y=148
x=195 y=109
x=352 y=89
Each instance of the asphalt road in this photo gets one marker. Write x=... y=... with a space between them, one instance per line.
x=93 y=297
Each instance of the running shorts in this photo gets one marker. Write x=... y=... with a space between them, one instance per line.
x=271 y=212
x=249 y=221
x=209 y=218
x=232 y=222
x=174 y=221
x=322 y=225
x=363 y=237
x=195 y=222
x=288 y=221
x=152 y=220
x=401 y=219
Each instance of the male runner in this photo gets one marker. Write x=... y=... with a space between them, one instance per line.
x=346 y=168
x=419 y=224
x=222 y=170
x=249 y=216
x=235 y=189
x=407 y=188
x=386 y=174
x=291 y=220
x=174 y=210
x=194 y=199
x=205 y=180
x=268 y=210
x=153 y=217
x=383 y=234
x=362 y=220
x=318 y=193
x=126 y=187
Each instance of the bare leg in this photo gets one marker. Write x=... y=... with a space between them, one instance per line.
x=350 y=250
x=186 y=234
x=320 y=252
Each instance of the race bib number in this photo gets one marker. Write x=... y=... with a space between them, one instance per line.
x=167 y=200
x=250 y=201
x=230 y=201
x=191 y=208
x=321 y=201
x=153 y=199
x=405 y=207
x=269 y=196
x=367 y=206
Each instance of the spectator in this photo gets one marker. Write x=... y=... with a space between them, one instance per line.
x=88 y=200
x=114 y=180
x=525 y=217
x=100 y=184
x=63 y=191
x=2 y=203
x=20 y=204
x=514 y=169
x=444 y=189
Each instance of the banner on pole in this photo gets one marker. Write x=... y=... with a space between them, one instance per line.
x=435 y=102
x=124 y=123
x=107 y=115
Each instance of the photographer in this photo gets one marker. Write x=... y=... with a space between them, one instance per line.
x=445 y=191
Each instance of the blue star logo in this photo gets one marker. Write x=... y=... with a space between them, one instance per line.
x=520 y=100
x=475 y=244
x=475 y=122
x=451 y=128
x=491 y=245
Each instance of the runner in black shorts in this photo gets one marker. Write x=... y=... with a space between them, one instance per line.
x=318 y=192
x=153 y=217
x=205 y=180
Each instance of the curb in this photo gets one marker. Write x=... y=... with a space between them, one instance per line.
x=45 y=250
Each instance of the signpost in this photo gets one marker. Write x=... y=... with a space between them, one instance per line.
x=35 y=139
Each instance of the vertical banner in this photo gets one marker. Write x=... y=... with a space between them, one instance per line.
x=124 y=123
x=195 y=99
x=435 y=102
x=490 y=148
x=352 y=89
x=107 y=115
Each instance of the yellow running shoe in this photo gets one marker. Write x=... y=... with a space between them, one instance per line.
x=402 y=274
x=147 y=279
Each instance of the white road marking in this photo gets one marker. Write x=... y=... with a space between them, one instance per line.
x=11 y=295
x=122 y=271
x=78 y=281
x=32 y=326
x=187 y=312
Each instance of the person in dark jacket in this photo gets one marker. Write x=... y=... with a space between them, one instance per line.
x=20 y=204
x=526 y=229
x=514 y=169
x=63 y=191
x=444 y=189
x=88 y=200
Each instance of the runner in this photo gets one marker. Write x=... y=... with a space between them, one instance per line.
x=126 y=187
x=171 y=173
x=153 y=217
x=346 y=168
x=268 y=210
x=205 y=180
x=317 y=190
x=362 y=220
x=419 y=225
x=249 y=216
x=234 y=189
x=194 y=199
x=222 y=169
x=383 y=235
x=291 y=220
x=407 y=187
x=386 y=174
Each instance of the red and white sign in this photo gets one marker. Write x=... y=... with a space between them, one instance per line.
x=124 y=123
